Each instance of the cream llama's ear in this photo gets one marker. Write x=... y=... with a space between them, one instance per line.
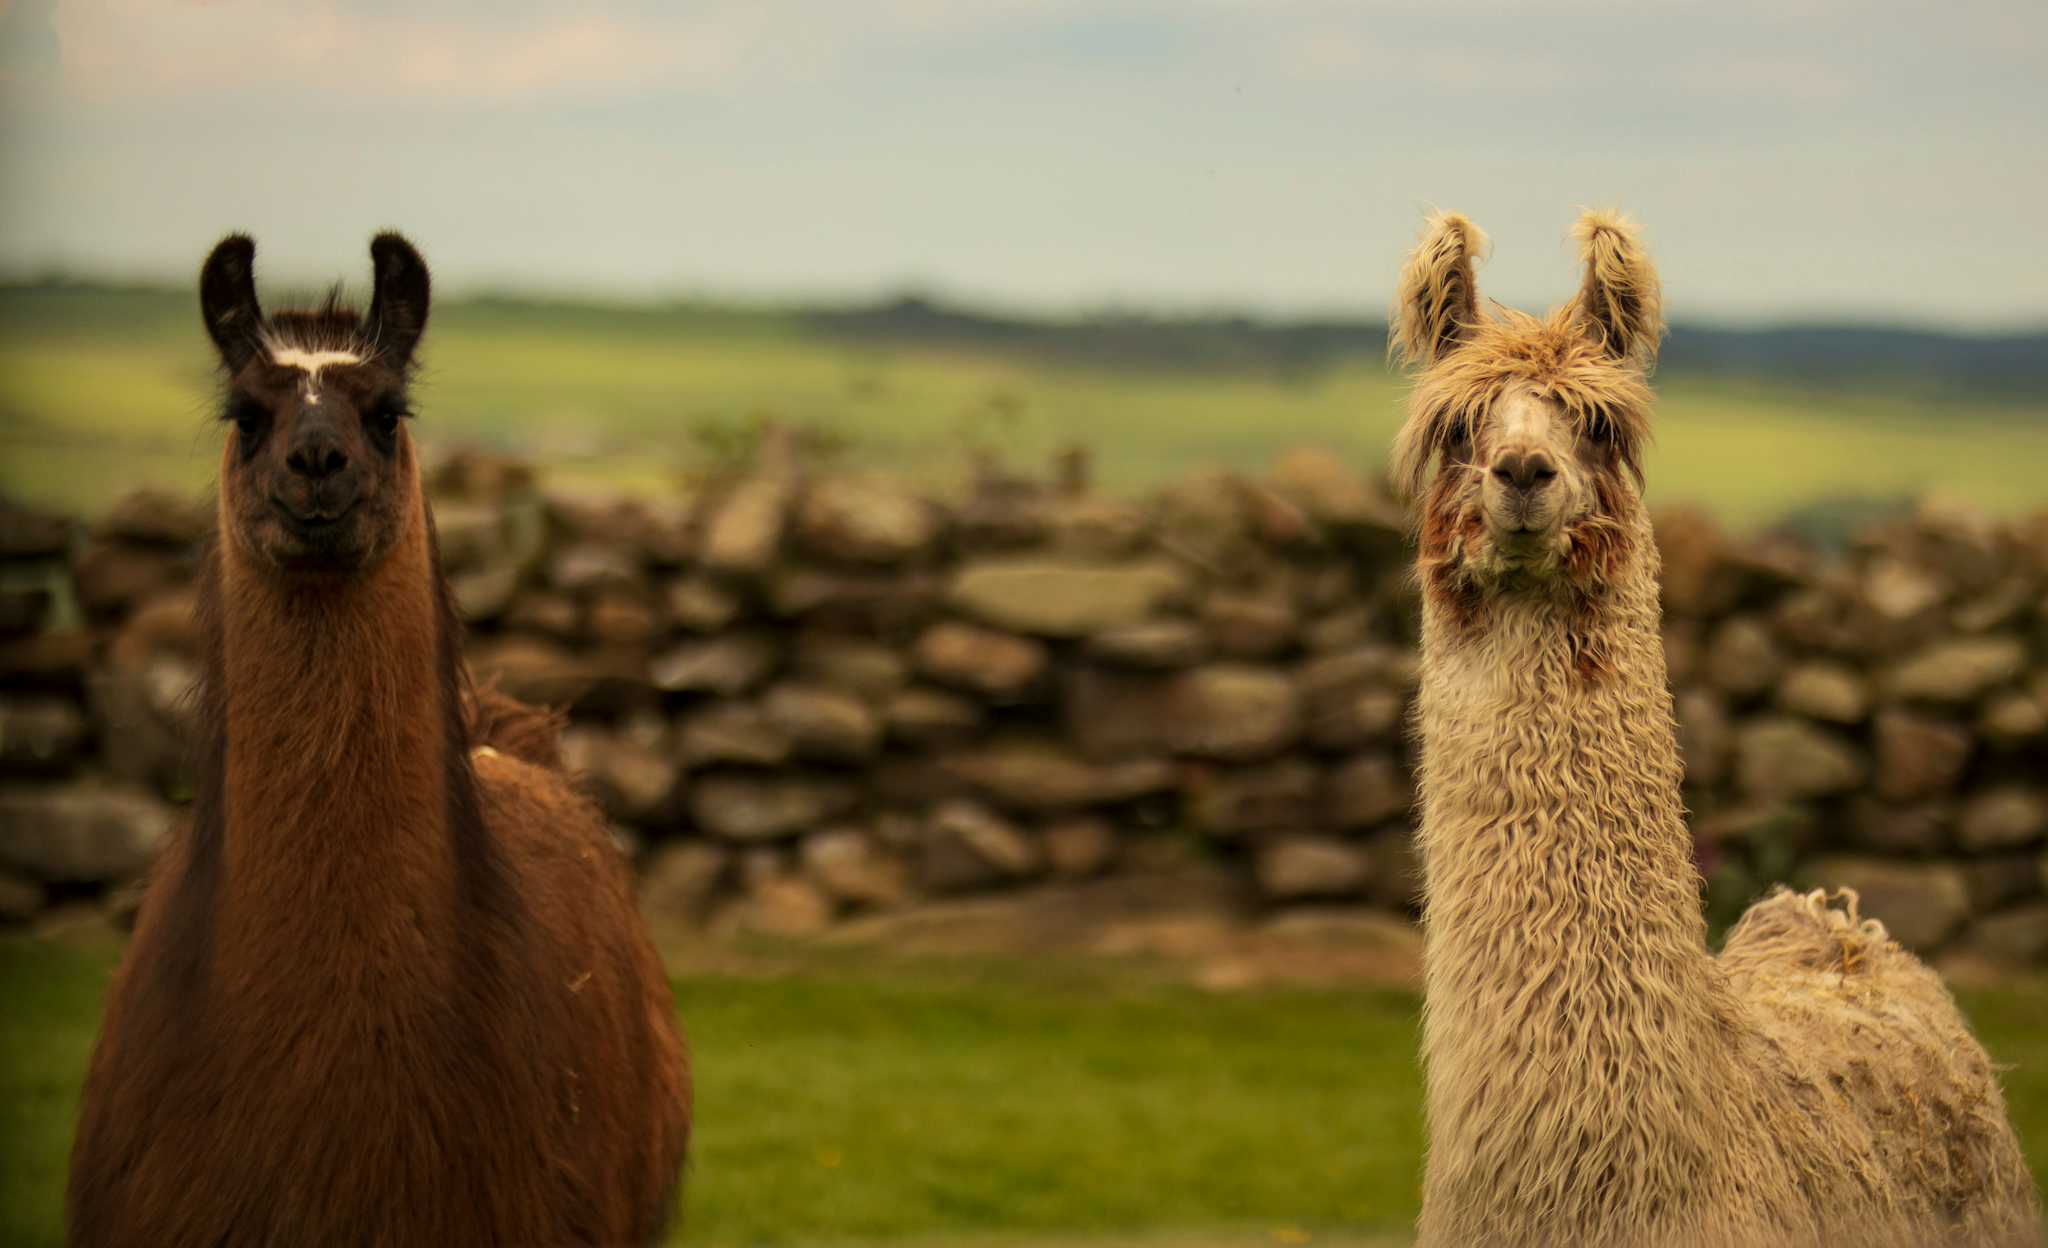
x=1621 y=305
x=1437 y=301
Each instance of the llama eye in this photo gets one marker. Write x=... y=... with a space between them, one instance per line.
x=249 y=418
x=382 y=419
x=1599 y=431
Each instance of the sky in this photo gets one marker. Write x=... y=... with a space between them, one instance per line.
x=1790 y=159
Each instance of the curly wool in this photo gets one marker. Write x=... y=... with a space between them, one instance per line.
x=1595 y=1077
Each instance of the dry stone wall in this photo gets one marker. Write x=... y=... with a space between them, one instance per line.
x=802 y=695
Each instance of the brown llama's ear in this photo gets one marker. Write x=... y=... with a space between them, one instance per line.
x=398 y=308
x=227 y=299
x=1436 y=303
x=1621 y=305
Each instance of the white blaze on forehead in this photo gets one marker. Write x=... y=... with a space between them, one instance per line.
x=309 y=361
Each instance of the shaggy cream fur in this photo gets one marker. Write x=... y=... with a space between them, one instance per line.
x=1595 y=1077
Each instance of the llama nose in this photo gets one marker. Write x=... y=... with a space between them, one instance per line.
x=316 y=455
x=1527 y=471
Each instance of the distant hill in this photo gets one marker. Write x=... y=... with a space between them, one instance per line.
x=1810 y=354
x=1866 y=357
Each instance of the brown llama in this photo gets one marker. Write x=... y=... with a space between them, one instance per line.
x=390 y=987
x=1594 y=1076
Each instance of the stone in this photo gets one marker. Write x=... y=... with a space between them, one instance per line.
x=1248 y=626
x=1079 y=846
x=1293 y=867
x=1958 y=670
x=26 y=533
x=966 y=846
x=1351 y=697
x=621 y=619
x=2006 y=817
x=587 y=568
x=1367 y=790
x=1232 y=712
x=1818 y=619
x=823 y=723
x=147 y=718
x=1034 y=775
x=856 y=664
x=728 y=664
x=532 y=670
x=1341 y=629
x=2012 y=720
x=1115 y=712
x=1327 y=487
x=1825 y=691
x=24 y=609
x=1742 y=660
x=885 y=602
x=995 y=665
x=1057 y=597
x=680 y=881
x=1683 y=651
x=1898 y=591
x=850 y=867
x=1785 y=758
x=540 y=612
x=1090 y=526
x=81 y=831
x=2016 y=937
x=784 y=906
x=21 y=897
x=48 y=658
x=1705 y=737
x=109 y=577
x=1691 y=544
x=634 y=782
x=865 y=521
x=1765 y=829
x=1999 y=881
x=743 y=532
x=1394 y=871
x=1917 y=828
x=730 y=732
x=41 y=734
x=1998 y=608
x=1920 y=904
x=156 y=516
x=1154 y=644
x=1918 y=756
x=923 y=716
x=751 y=807
x=701 y=605
x=1232 y=801
x=468 y=535
x=484 y=593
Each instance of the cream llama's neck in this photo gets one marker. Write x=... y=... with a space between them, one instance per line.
x=1574 y=1020
x=336 y=816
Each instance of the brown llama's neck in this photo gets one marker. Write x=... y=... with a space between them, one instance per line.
x=345 y=795
x=1574 y=1018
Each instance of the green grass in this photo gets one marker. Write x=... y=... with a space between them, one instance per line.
x=862 y=1100
x=101 y=391
x=862 y=1097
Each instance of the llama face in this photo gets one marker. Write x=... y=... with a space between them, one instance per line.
x=1524 y=436
x=318 y=475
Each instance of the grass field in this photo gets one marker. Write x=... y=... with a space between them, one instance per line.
x=853 y=1098
x=102 y=391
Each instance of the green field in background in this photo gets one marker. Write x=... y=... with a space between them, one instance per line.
x=856 y=1097
x=104 y=391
